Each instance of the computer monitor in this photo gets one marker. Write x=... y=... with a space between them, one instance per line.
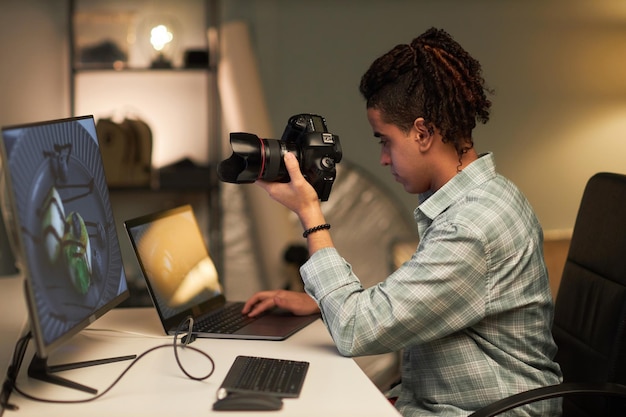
x=65 y=240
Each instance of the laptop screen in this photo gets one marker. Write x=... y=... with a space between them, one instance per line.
x=174 y=260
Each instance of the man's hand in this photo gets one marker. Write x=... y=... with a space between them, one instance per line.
x=297 y=195
x=299 y=303
x=300 y=197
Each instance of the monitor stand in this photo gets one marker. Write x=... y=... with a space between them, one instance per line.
x=39 y=369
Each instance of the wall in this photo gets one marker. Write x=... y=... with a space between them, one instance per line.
x=557 y=67
x=34 y=81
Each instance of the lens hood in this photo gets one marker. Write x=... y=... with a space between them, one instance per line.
x=244 y=165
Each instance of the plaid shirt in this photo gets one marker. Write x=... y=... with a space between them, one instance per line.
x=471 y=310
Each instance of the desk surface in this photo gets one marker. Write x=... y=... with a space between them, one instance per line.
x=155 y=386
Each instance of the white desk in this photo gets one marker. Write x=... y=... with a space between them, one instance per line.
x=155 y=386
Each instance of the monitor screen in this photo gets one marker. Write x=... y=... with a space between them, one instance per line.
x=67 y=245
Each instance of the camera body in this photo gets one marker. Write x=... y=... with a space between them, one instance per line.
x=305 y=135
x=317 y=150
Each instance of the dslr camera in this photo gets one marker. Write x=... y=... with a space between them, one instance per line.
x=306 y=136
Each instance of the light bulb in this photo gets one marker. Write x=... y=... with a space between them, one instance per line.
x=160 y=37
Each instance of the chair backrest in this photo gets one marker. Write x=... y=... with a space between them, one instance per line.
x=590 y=311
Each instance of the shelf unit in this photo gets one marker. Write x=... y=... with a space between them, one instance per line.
x=115 y=73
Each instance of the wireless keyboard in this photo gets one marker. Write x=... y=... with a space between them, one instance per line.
x=278 y=377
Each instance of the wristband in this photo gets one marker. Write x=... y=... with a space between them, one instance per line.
x=317 y=228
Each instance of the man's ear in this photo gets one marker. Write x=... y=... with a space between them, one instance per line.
x=423 y=134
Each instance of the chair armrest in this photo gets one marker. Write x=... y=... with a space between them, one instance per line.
x=551 y=391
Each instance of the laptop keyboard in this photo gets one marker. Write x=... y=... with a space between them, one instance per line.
x=225 y=321
x=280 y=377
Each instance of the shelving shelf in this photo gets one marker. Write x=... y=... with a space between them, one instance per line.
x=180 y=104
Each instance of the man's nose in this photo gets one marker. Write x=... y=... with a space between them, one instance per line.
x=384 y=158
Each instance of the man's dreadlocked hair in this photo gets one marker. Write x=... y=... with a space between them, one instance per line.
x=433 y=78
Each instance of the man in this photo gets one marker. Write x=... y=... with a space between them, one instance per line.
x=472 y=309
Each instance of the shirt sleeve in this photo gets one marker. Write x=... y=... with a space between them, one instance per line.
x=439 y=291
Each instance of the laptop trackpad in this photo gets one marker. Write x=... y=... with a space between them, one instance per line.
x=278 y=323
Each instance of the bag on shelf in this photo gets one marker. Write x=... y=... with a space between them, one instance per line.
x=126 y=149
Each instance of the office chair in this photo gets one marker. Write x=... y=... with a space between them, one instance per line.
x=590 y=310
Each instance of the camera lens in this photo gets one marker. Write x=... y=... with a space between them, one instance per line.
x=254 y=159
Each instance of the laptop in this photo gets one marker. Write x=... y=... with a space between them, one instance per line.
x=182 y=280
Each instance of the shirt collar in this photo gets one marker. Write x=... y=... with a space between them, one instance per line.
x=431 y=204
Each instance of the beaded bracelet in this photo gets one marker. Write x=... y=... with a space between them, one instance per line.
x=317 y=228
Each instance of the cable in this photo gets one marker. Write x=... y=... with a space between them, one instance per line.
x=123 y=333
x=12 y=372
x=189 y=337
x=20 y=348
